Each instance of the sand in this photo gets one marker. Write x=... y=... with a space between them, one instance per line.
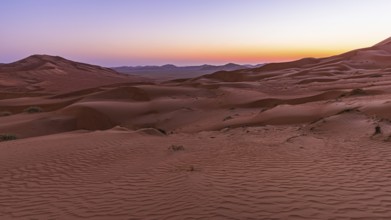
x=271 y=172
x=293 y=140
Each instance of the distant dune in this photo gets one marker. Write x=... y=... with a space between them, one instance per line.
x=43 y=73
x=373 y=58
x=308 y=139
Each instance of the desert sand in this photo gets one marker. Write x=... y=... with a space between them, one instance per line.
x=309 y=139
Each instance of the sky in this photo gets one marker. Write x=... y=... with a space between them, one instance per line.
x=189 y=32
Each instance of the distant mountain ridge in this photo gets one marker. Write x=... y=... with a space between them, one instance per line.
x=170 y=71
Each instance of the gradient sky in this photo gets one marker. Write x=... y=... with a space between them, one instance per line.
x=187 y=32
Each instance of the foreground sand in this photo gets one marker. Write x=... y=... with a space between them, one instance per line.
x=270 y=172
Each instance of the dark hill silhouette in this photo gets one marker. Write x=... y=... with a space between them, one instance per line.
x=170 y=71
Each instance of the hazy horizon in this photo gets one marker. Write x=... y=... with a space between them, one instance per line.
x=185 y=33
x=137 y=65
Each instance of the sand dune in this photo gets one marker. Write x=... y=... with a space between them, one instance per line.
x=308 y=139
x=375 y=58
x=48 y=74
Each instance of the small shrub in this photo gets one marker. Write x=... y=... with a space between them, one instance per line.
x=7 y=137
x=162 y=131
x=5 y=113
x=176 y=147
x=377 y=130
x=33 y=109
x=191 y=168
x=348 y=110
x=358 y=92
x=227 y=118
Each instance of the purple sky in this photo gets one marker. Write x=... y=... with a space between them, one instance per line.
x=186 y=32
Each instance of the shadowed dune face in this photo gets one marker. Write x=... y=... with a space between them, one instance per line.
x=307 y=139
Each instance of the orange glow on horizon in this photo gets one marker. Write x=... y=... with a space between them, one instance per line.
x=222 y=55
x=206 y=53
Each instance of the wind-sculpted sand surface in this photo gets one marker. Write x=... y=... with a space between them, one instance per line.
x=271 y=172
